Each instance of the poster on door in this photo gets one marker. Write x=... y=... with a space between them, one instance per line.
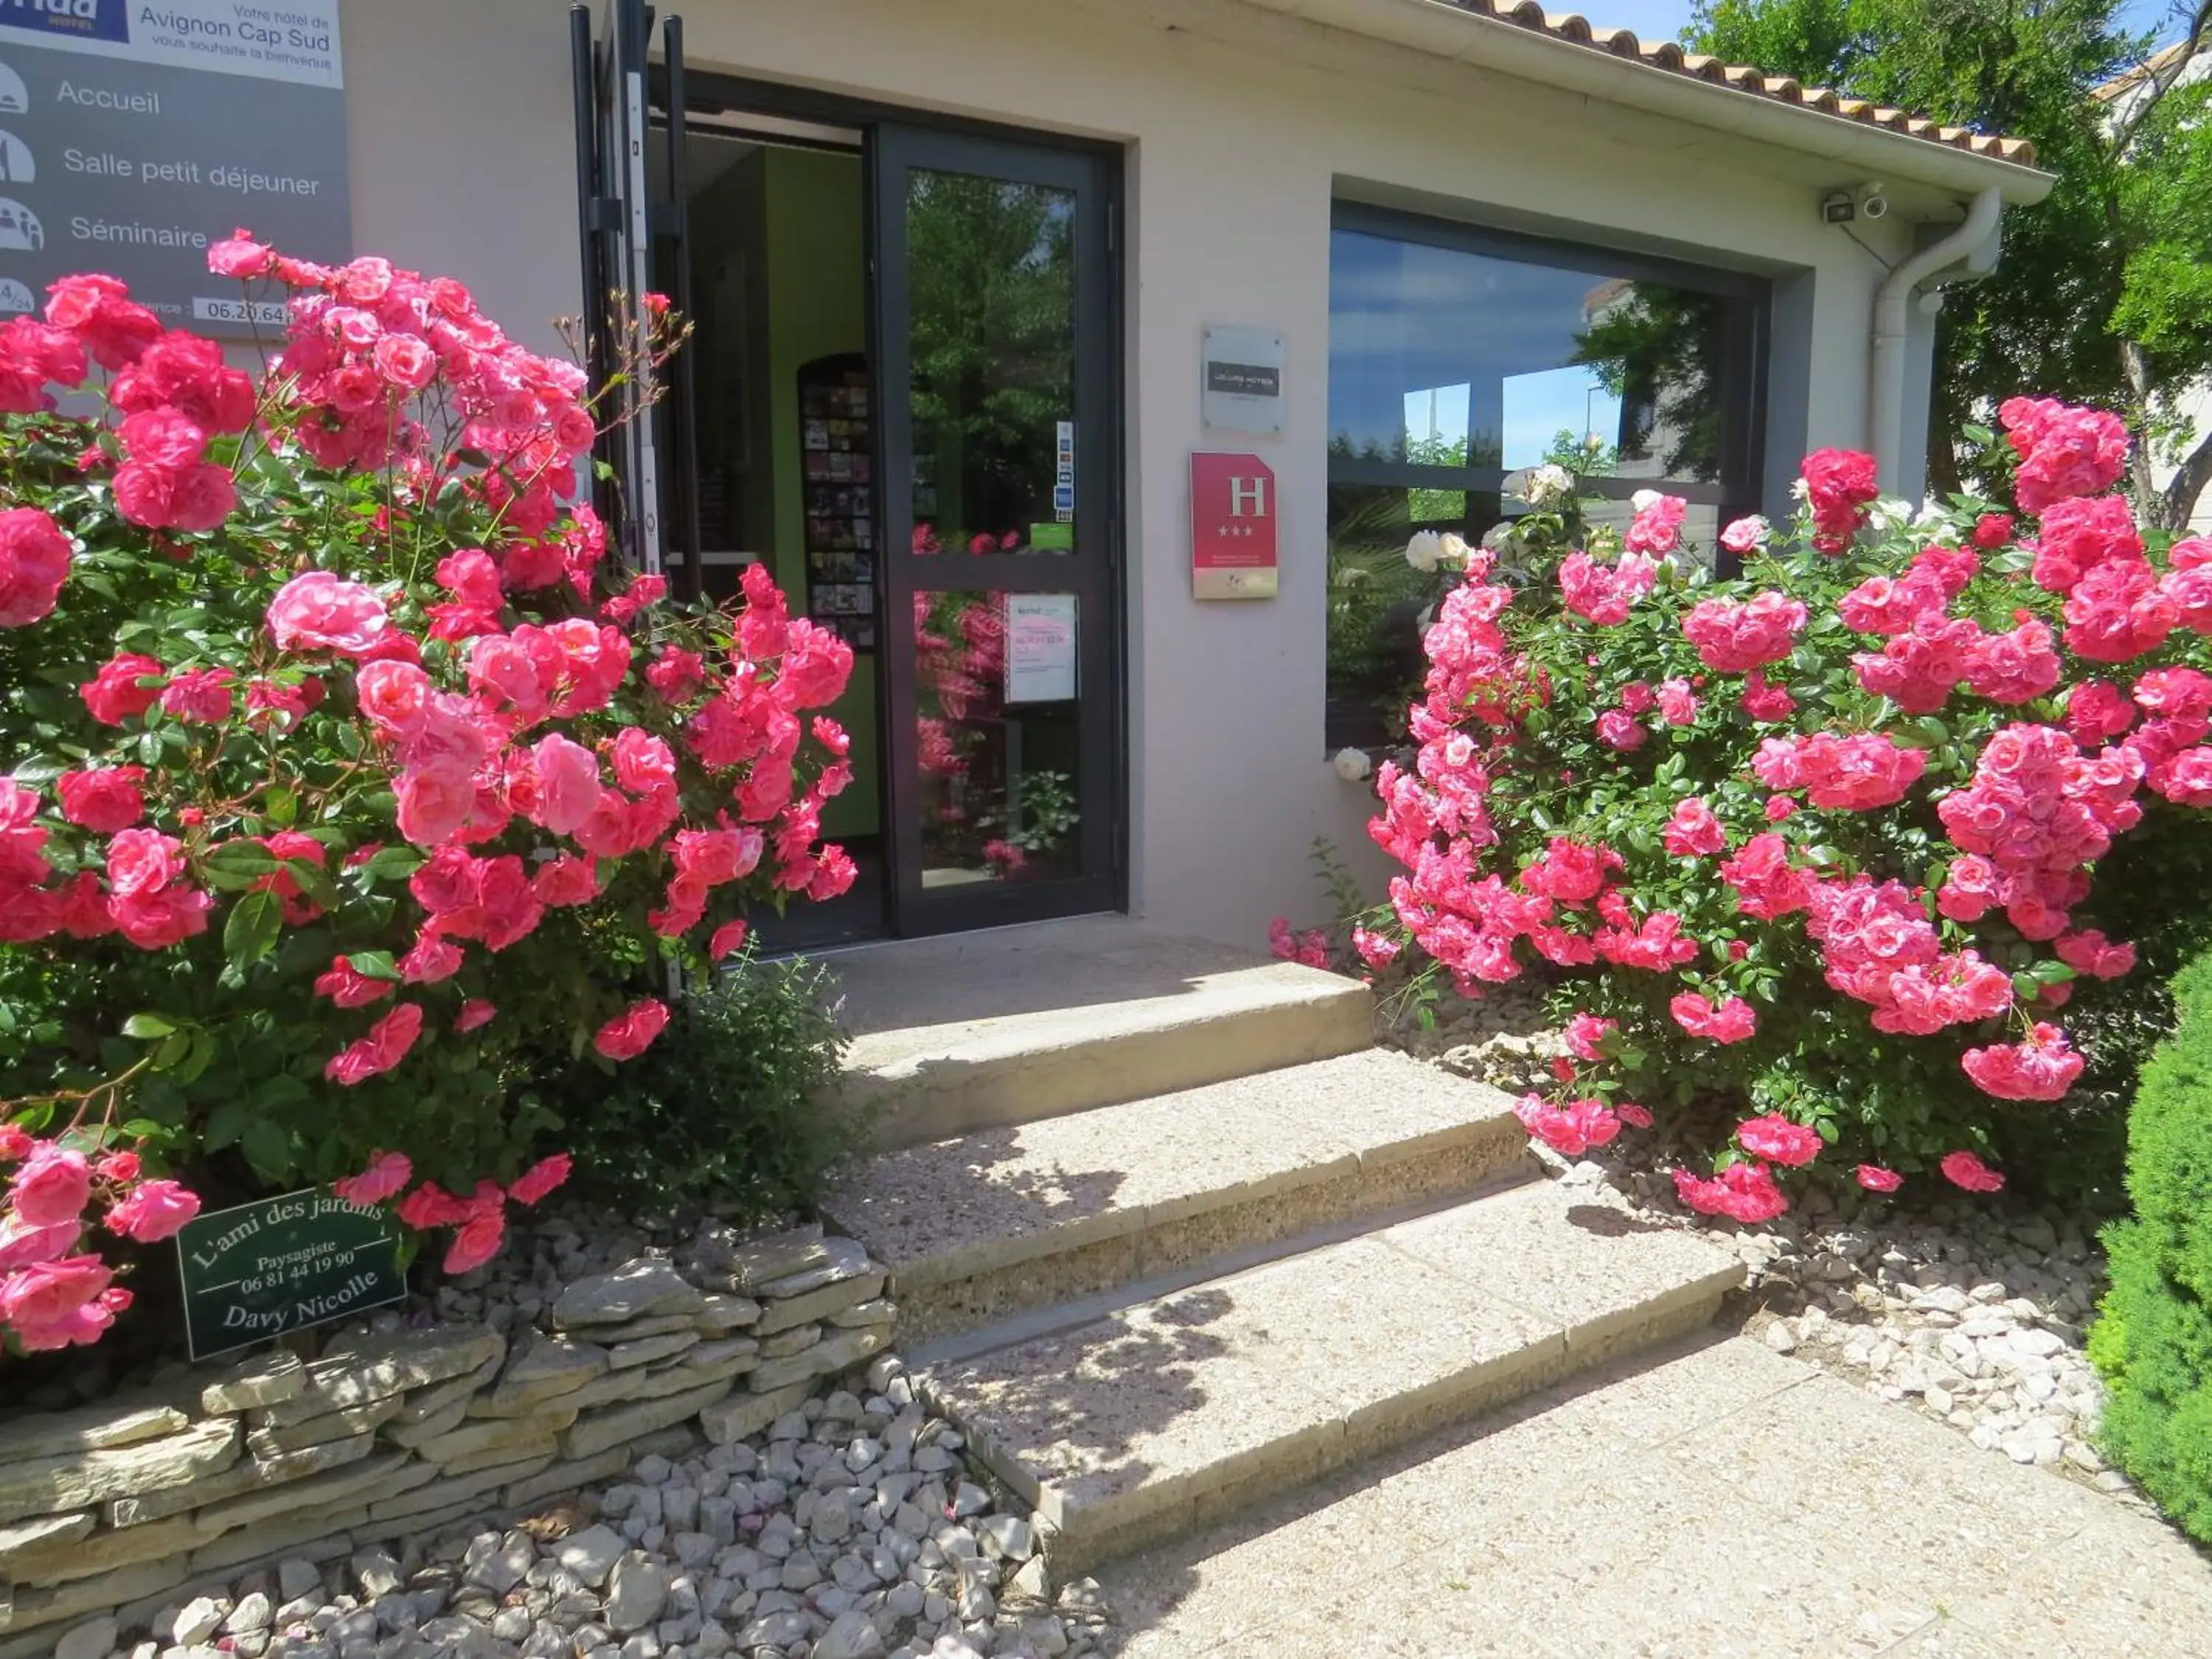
x=134 y=136
x=1040 y=647
x=1232 y=527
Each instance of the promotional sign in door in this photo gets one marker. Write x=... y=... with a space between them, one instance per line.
x=258 y=1270
x=1232 y=527
x=133 y=135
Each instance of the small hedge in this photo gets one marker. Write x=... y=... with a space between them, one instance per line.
x=2153 y=1339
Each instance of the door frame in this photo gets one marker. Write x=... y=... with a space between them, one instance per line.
x=710 y=93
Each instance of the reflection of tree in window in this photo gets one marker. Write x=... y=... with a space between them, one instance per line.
x=991 y=265
x=1658 y=350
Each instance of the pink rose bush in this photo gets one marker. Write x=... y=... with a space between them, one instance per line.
x=349 y=782
x=1822 y=839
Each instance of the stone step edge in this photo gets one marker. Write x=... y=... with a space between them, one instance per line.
x=1499 y=1131
x=941 y=1098
x=1329 y=1442
x=1074 y=1312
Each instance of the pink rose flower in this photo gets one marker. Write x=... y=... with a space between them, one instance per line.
x=22 y=1246
x=115 y=694
x=154 y=1210
x=203 y=696
x=386 y=1174
x=540 y=1179
x=1778 y=1141
x=1963 y=1168
x=103 y=799
x=730 y=936
x=320 y=611
x=1876 y=1179
x=631 y=1033
x=52 y=1186
x=475 y=1012
x=35 y=563
x=568 y=784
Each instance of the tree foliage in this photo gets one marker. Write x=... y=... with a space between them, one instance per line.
x=2101 y=297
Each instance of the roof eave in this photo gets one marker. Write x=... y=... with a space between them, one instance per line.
x=1459 y=33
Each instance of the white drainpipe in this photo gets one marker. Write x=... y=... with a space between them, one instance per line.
x=1891 y=302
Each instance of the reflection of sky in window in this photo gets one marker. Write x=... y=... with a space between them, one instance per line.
x=1406 y=318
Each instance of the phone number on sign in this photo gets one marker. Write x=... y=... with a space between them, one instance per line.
x=240 y=311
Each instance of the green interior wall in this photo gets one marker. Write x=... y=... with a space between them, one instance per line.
x=817 y=306
x=791 y=220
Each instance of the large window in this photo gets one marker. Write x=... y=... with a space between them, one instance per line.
x=1457 y=356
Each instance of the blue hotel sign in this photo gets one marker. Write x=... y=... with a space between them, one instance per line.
x=135 y=133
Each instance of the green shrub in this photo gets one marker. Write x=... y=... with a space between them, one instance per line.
x=730 y=1110
x=2153 y=1339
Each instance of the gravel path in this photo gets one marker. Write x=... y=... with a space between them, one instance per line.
x=852 y=1528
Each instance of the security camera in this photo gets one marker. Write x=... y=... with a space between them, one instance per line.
x=1872 y=203
x=1837 y=208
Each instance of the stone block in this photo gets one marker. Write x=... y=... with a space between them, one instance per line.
x=267 y=1440
x=760 y=1260
x=46 y=1485
x=825 y=1358
x=784 y=1344
x=841 y=1259
x=103 y=1551
x=360 y=1368
x=429 y=1402
x=833 y=1298
x=545 y=1444
x=874 y=1311
x=638 y=1329
x=637 y=1289
x=81 y=1597
x=384 y=1475
x=42 y=1532
x=281 y=1539
x=718 y=1354
x=547 y=1370
x=412 y=1435
x=743 y=1415
x=596 y=1431
x=89 y=1428
x=250 y=1474
x=266 y=1379
x=647 y=1349
x=724 y=1312
x=479 y=1487
x=493 y=1434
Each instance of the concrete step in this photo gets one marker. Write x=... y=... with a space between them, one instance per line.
x=988 y=1223
x=1016 y=1025
x=1188 y=1407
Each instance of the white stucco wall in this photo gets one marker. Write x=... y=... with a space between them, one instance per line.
x=1240 y=128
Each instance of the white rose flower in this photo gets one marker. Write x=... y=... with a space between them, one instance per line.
x=1549 y=486
x=1889 y=513
x=1426 y=550
x=1931 y=512
x=1452 y=549
x=1645 y=499
x=1352 y=764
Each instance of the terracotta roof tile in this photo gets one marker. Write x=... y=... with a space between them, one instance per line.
x=1668 y=56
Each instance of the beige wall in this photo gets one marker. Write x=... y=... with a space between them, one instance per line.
x=1240 y=128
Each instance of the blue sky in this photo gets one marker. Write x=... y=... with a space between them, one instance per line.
x=1662 y=19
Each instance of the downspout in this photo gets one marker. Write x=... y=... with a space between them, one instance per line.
x=1891 y=301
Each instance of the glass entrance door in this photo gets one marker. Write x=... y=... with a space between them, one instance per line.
x=997 y=460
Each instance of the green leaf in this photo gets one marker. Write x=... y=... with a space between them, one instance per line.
x=147 y=1027
x=2025 y=987
x=250 y=933
x=245 y=858
x=282 y=804
x=314 y=881
x=268 y=1149
x=374 y=964
x=390 y=863
x=173 y=1048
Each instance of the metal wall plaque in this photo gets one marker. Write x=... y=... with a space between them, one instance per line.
x=1241 y=385
x=132 y=136
x=258 y=1270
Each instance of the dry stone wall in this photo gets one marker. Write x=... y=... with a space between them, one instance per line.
x=123 y=1504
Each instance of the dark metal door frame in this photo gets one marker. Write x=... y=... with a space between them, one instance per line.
x=1092 y=572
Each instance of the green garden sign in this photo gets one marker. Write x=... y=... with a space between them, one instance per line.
x=258 y=1270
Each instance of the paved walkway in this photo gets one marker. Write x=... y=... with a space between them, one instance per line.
x=1711 y=1501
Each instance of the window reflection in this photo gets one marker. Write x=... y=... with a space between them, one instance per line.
x=1440 y=357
